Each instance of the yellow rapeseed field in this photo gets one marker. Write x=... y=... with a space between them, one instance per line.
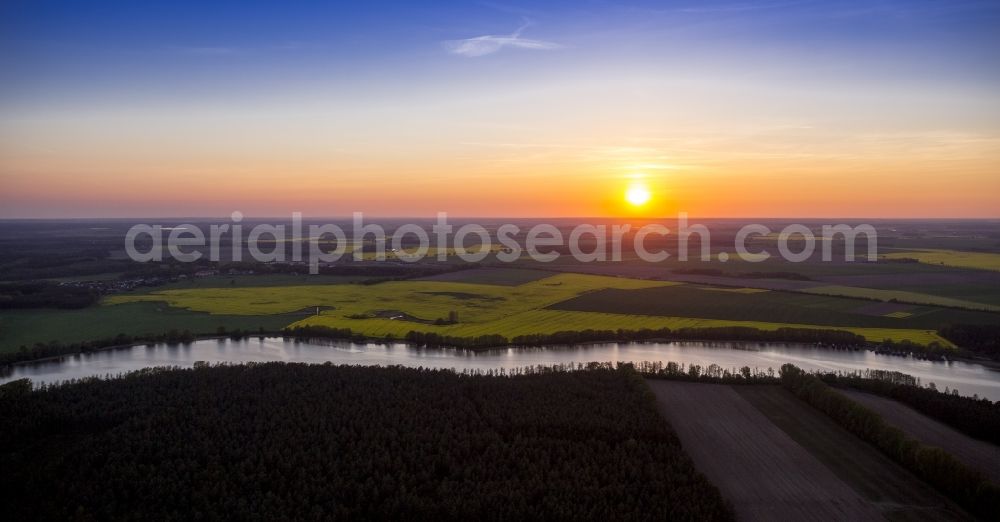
x=480 y=308
x=979 y=260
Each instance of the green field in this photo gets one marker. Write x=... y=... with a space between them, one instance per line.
x=784 y=307
x=902 y=296
x=978 y=293
x=254 y=281
x=398 y=307
x=409 y=254
x=27 y=327
x=491 y=276
x=735 y=265
x=107 y=276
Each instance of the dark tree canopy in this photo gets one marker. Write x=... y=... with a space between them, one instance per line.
x=314 y=442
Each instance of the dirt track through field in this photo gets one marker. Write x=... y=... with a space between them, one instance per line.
x=977 y=454
x=760 y=469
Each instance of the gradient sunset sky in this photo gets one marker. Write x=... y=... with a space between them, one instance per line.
x=722 y=108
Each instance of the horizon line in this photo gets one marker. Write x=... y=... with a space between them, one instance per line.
x=432 y=217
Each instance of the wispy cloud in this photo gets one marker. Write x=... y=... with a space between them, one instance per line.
x=489 y=44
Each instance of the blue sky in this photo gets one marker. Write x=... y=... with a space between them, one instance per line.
x=99 y=47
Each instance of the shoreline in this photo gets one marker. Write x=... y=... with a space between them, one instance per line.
x=987 y=363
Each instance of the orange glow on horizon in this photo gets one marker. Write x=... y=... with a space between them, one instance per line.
x=586 y=180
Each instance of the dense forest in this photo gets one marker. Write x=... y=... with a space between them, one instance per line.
x=41 y=294
x=57 y=349
x=982 y=339
x=291 y=441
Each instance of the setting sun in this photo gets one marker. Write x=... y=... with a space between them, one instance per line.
x=637 y=195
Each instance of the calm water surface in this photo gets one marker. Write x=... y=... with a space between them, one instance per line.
x=968 y=378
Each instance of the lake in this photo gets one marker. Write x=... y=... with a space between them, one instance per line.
x=968 y=378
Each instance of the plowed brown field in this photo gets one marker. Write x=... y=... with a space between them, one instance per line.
x=776 y=458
